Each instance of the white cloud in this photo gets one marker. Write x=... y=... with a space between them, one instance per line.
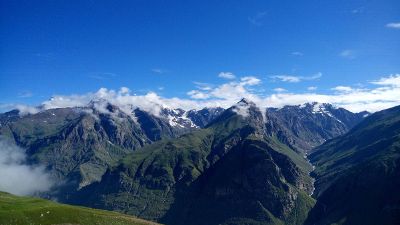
x=370 y=100
x=203 y=86
x=384 y=93
x=124 y=91
x=393 y=25
x=250 y=80
x=279 y=90
x=233 y=91
x=227 y=75
x=392 y=80
x=312 y=88
x=24 y=109
x=297 y=53
x=287 y=78
x=242 y=109
x=196 y=94
x=296 y=79
x=313 y=77
x=342 y=89
x=16 y=176
x=225 y=95
x=62 y=101
x=348 y=54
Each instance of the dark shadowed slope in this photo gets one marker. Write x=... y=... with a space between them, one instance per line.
x=358 y=174
x=229 y=173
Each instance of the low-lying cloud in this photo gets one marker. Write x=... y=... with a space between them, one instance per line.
x=374 y=96
x=16 y=176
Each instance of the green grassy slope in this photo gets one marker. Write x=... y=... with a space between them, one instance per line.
x=16 y=210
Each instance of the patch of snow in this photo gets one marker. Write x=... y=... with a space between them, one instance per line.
x=303 y=105
x=180 y=121
x=172 y=121
x=320 y=108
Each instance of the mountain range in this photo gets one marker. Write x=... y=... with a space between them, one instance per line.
x=240 y=165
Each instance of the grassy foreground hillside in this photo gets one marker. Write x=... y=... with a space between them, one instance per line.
x=16 y=210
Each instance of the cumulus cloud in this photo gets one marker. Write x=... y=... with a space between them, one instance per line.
x=123 y=98
x=382 y=93
x=392 y=80
x=386 y=94
x=225 y=95
x=393 y=25
x=227 y=75
x=296 y=79
x=196 y=94
x=16 y=176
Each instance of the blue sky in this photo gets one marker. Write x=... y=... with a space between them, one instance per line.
x=63 y=48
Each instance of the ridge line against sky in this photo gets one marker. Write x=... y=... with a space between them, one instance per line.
x=373 y=96
x=201 y=53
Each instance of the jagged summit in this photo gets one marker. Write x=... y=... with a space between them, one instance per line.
x=246 y=108
x=246 y=101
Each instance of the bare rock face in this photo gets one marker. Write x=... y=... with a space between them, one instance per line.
x=306 y=126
